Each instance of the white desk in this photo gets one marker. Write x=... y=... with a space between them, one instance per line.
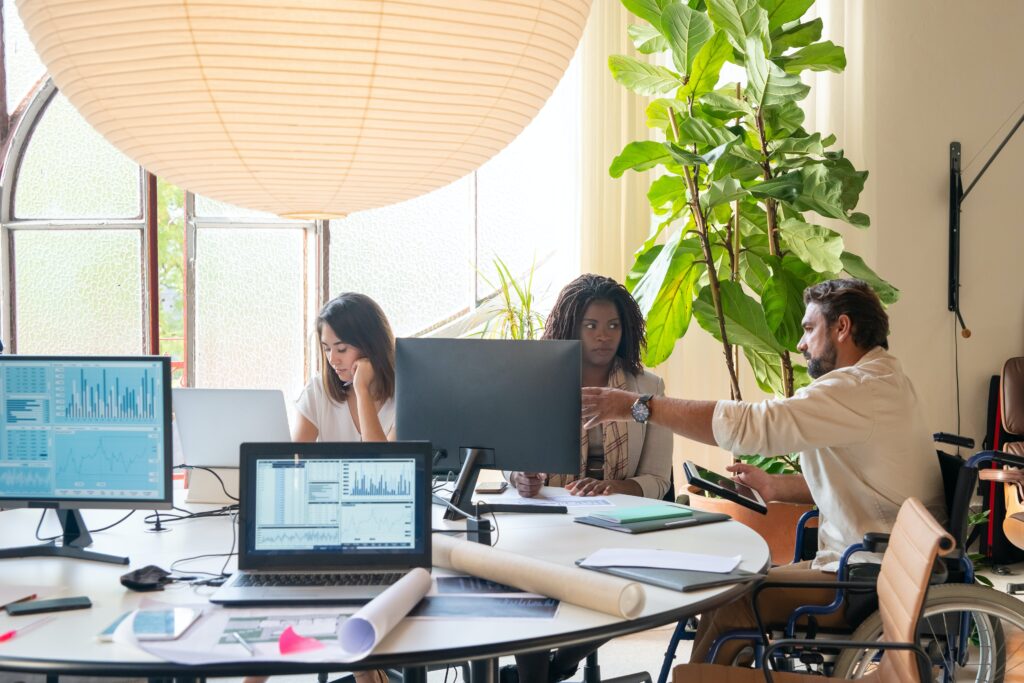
x=67 y=644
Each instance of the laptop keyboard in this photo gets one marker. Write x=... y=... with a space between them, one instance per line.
x=316 y=580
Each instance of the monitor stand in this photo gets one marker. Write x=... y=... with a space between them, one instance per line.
x=74 y=540
x=473 y=460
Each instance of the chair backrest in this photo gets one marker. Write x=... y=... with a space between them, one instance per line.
x=915 y=542
x=1011 y=403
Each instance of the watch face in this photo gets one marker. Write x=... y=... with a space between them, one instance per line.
x=641 y=411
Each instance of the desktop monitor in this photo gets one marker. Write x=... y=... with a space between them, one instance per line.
x=510 y=405
x=84 y=432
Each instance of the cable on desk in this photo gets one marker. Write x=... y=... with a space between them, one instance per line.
x=91 y=531
x=167 y=518
x=207 y=469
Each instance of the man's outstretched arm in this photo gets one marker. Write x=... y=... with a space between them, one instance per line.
x=691 y=419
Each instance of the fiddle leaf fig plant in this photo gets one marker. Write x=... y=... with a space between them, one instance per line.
x=742 y=185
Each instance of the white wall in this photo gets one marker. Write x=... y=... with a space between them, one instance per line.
x=921 y=73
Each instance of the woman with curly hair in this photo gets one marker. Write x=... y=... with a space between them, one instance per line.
x=633 y=458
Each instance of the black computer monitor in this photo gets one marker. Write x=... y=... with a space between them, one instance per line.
x=500 y=404
x=84 y=432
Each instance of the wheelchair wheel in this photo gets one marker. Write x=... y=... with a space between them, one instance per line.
x=971 y=633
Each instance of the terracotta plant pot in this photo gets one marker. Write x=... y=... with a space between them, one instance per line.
x=778 y=527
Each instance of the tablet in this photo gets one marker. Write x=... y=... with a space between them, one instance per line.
x=725 y=487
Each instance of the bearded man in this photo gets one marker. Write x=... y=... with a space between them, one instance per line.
x=863 y=442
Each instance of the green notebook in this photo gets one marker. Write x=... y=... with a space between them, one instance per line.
x=644 y=513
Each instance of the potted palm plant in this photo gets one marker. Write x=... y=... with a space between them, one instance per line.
x=741 y=185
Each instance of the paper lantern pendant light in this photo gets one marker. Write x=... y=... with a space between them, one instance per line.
x=307 y=108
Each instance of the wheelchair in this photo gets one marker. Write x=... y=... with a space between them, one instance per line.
x=963 y=626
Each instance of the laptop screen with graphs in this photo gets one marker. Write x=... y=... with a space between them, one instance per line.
x=87 y=431
x=317 y=501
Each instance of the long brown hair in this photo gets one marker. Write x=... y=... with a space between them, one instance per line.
x=357 y=320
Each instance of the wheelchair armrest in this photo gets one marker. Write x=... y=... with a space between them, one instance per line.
x=953 y=439
x=875 y=542
x=924 y=664
x=765 y=585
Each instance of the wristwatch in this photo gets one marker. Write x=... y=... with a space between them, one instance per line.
x=641 y=410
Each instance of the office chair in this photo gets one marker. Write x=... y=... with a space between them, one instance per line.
x=916 y=540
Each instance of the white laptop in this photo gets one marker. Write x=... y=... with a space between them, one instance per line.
x=327 y=523
x=213 y=423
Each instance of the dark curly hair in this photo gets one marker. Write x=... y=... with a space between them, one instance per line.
x=565 y=318
x=860 y=303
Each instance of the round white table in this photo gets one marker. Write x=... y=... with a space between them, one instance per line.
x=67 y=645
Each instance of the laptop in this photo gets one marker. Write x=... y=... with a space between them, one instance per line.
x=213 y=423
x=329 y=523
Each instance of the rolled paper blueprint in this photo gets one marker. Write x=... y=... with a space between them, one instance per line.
x=361 y=632
x=582 y=587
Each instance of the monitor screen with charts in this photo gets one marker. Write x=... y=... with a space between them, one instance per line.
x=85 y=432
x=334 y=504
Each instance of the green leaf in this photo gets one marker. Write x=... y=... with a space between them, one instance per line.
x=648 y=10
x=670 y=317
x=644 y=257
x=657 y=112
x=796 y=36
x=824 y=56
x=767 y=84
x=784 y=11
x=707 y=66
x=818 y=247
x=738 y=161
x=643 y=78
x=855 y=266
x=745 y=323
x=722 y=192
x=827 y=193
x=754 y=271
x=703 y=134
x=665 y=294
x=811 y=144
x=684 y=157
x=647 y=39
x=785 y=188
x=767 y=368
x=666 y=190
x=783 y=120
x=639 y=156
x=687 y=30
x=740 y=19
x=724 y=107
x=851 y=179
x=783 y=303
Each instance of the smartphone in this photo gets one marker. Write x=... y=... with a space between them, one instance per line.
x=154 y=624
x=36 y=606
x=492 y=487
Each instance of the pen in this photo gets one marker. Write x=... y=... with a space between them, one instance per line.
x=244 y=643
x=680 y=522
x=27 y=627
